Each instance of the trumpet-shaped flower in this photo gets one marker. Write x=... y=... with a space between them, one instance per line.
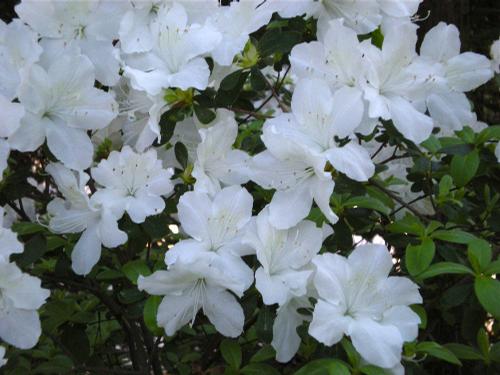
x=284 y=256
x=205 y=282
x=391 y=85
x=235 y=22
x=452 y=74
x=299 y=145
x=88 y=25
x=176 y=57
x=20 y=296
x=61 y=104
x=19 y=50
x=214 y=224
x=358 y=299
x=132 y=182
x=77 y=213
x=217 y=164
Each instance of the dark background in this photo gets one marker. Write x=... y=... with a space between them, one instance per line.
x=477 y=20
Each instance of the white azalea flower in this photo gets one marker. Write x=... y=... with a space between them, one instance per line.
x=10 y=118
x=201 y=282
x=77 y=213
x=132 y=182
x=235 y=22
x=9 y=244
x=175 y=59
x=495 y=55
x=20 y=296
x=391 y=85
x=284 y=256
x=3 y=360
x=299 y=145
x=358 y=299
x=19 y=49
x=139 y=115
x=337 y=58
x=135 y=31
x=89 y=25
x=61 y=104
x=452 y=74
x=217 y=164
x=214 y=224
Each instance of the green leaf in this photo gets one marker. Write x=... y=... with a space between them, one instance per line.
x=181 y=154
x=231 y=352
x=372 y=370
x=204 y=114
x=34 y=249
x=422 y=314
x=231 y=81
x=434 y=349
x=495 y=352
x=483 y=342
x=263 y=354
x=488 y=292
x=150 y=312
x=75 y=340
x=445 y=186
x=493 y=268
x=259 y=369
x=275 y=40
x=23 y=227
x=419 y=257
x=324 y=367
x=454 y=236
x=445 y=268
x=464 y=168
x=479 y=254
x=368 y=202
x=134 y=269
x=464 y=351
x=408 y=224
x=352 y=354
x=491 y=132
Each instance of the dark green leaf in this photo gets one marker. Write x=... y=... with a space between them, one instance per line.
x=135 y=268
x=464 y=168
x=488 y=293
x=479 y=253
x=275 y=40
x=259 y=369
x=445 y=268
x=464 y=351
x=324 y=367
x=454 y=236
x=419 y=257
x=438 y=351
x=181 y=154
x=231 y=352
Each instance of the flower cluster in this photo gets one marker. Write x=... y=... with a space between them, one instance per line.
x=80 y=76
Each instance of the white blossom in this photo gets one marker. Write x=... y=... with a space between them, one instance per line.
x=358 y=298
x=20 y=296
x=132 y=182
x=176 y=57
x=61 y=104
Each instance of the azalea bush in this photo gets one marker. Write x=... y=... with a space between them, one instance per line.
x=253 y=187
